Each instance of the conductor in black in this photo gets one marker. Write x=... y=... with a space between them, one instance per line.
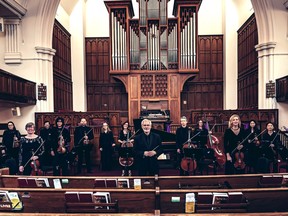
x=147 y=148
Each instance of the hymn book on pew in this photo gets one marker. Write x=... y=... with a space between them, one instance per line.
x=101 y=197
x=10 y=201
x=219 y=198
x=111 y=183
x=273 y=180
x=123 y=183
x=33 y=182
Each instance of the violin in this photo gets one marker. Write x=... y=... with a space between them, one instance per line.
x=86 y=140
x=35 y=165
x=15 y=142
x=239 y=155
x=61 y=142
x=239 y=160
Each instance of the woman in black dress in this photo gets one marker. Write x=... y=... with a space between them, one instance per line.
x=31 y=150
x=252 y=149
x=11 y=138
x=124 y=138
x=106 y=144
x=233 y=136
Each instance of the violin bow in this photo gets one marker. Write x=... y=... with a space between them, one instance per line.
x=189 y=140
x=63 y=127
x=258 y=135
x=35 y=152
x=84 y=136
x=244 y=140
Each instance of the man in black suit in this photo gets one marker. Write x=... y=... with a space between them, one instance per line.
x=147 y=148
x=83 y=138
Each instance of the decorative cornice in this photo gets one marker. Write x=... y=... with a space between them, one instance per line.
x=45 y=50
x=265 y=46
x=14 y=8
x=286 y=4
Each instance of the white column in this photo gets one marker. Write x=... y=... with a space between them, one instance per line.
x=45 y=76
x=12 y=54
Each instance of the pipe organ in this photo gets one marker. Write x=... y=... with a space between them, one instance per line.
x=153 y=46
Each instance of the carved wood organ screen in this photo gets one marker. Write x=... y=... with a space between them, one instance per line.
x=153 y=42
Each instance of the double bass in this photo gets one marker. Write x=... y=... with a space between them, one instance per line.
x=214 y=144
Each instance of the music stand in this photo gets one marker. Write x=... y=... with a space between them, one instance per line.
x=126 y=152
x=194 y=154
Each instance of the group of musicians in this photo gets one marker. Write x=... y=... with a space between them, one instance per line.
x=31 y=153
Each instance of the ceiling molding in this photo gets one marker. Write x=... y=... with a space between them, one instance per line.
x=11 y=9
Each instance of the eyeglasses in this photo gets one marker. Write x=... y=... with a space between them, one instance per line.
x=146 y=124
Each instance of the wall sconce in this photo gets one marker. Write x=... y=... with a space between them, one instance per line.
x=16 y=111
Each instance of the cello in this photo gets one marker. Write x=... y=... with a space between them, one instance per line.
x=188 y=163
x=127 y=144
x=214 y=144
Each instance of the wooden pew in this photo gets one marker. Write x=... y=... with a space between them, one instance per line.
x=259 y=200
x=46 y=200
x=144 y=214
x=164 y=182
x=215 y=181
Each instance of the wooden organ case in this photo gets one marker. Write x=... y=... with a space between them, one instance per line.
x=154 y=55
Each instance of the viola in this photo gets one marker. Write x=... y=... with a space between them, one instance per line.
x=61 y=149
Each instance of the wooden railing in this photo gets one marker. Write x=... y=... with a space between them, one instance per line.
x=16 y=89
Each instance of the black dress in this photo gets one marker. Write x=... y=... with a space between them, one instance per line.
x=8 y=140
x=105 y=142
x=27 y=148
x=252 y=152
x=231 y=141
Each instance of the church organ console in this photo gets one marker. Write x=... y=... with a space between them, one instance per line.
x=154 y=54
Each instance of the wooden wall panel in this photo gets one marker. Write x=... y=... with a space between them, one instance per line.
x=205 y=90
x=174 y=86
x=62 y=79
x=248 y=65
x=134 y=87
x=103 y=91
